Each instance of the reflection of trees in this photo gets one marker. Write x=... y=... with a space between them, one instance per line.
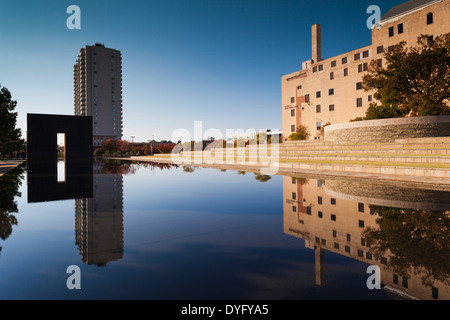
x=9 y=189
x=111 y=166
x=262 y=177
x=418 y=240
x=188 y=169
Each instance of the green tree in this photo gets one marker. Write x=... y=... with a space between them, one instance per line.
x=414 y=81
x=302 y=133
x=10 y=136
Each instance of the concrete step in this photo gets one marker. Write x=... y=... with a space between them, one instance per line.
x=424 y=152
x=440 y=160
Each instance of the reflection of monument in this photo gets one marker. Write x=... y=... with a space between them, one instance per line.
x=99 y=220
x=336 y=221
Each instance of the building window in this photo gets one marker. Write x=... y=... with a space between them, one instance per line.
x=363 y=242
x=299 y=87
x=384 y=261
x=318 y=94
x=321 y=67
x=359 y=102
x=360 y=68
x=435 y=293
x=380 y=49
x=336 y=245
x=294 y=209
x=333 y=201
x=345 y=72
x=292 y=112
x=293 y=128
x=308 y=210
x=307 y=98
x=320 y=214
x=430 y=18
x=330 y=92
x=294 y=181
x=395 y=278
x=365 y=66
x=430 y=39
x=366 y=54
x=333 y=63
x=334 y=233
x=361 y=207
x=390 y=48
x=292 y=100
x=331 y=75
x=360 y=253
x=318 y=125
x=319 y=200
x=344 y=60
x=294 y=196
x=318 y=108
x=380 y=63
x=357 y=56
x=349 y=237
x=400 y=28
x=333 y=217
x=347 y=249
x=369 y=98
x=319 y=182
x=314 y=69
x=361 y=223
x=391 y=31
x=358 y=85
x=405 y=282
x=331 y=107
x=368 y=256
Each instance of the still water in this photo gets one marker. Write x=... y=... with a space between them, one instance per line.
x=149 y=231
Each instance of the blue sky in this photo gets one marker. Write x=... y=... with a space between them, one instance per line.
x=219 y=62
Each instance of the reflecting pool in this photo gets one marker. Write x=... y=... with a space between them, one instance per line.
x=160 y=231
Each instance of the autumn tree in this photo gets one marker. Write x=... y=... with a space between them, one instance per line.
x=10 y=136
x=415 y=81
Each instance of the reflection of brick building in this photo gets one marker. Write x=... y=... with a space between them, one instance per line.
x=99 y=220
x=329 y=91
x=328 y=220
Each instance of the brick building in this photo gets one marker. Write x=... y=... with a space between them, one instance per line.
x=330 y=90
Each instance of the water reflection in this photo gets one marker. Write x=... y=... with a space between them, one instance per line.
x=99 y=219
x=9 y=190
x=403 y=230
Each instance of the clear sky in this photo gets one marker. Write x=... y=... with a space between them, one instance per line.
x=215 y=61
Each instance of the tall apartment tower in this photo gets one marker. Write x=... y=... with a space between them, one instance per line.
x=97 y=79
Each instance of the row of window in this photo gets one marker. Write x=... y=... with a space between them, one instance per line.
x=344 y=60
x=391 y=30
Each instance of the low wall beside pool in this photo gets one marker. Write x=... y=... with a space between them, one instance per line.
x=389 y=130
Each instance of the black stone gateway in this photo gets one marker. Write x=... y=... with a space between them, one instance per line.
x=42 y=161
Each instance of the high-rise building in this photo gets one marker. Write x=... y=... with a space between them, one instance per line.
x=97 y=78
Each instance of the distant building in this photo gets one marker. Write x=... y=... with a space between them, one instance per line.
x=330 y=91
x=97 y=81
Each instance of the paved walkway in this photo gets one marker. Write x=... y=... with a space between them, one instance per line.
x=7 y=165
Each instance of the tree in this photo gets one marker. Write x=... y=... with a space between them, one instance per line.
x=415 y=80
x=10 y=136
x=302 y=133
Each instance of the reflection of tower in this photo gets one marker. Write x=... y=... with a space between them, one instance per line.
x=99 y=221
x=333 y=217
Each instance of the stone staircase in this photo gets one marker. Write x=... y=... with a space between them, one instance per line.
x=421 y=151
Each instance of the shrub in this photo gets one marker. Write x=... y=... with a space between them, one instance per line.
x=302 y=133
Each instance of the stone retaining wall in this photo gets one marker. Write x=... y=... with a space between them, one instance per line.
x=388 y=130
